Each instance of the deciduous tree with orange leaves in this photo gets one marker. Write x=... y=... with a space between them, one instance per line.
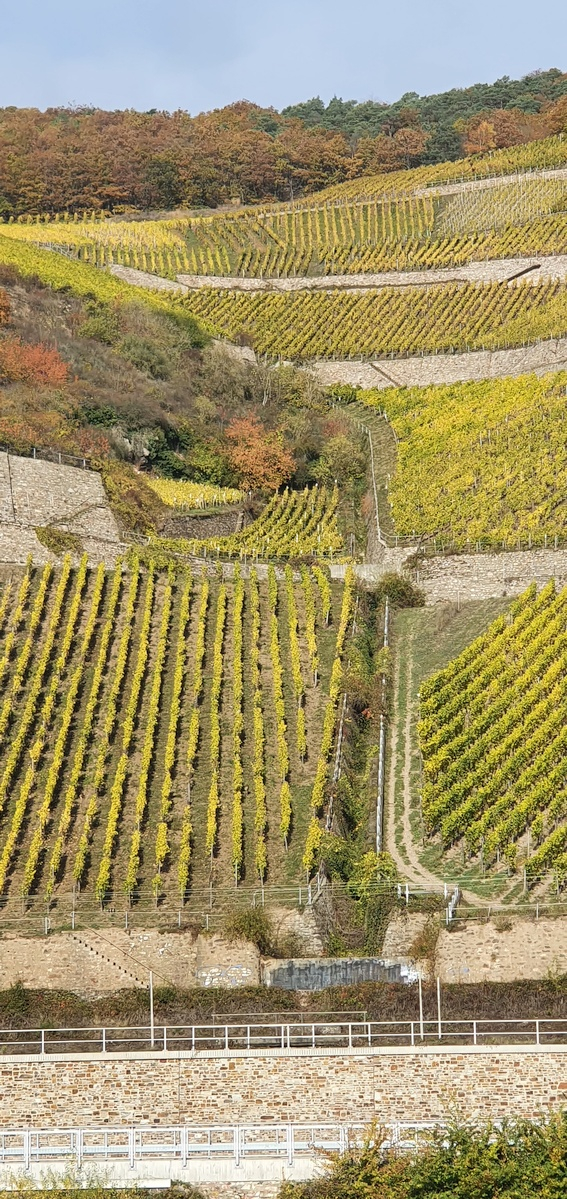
x=258 y=455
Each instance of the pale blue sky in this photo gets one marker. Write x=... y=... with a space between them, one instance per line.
x=199 y=55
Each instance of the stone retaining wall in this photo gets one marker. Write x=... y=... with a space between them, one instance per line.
x=503 y=949
x=488 y=576
x=35 y=493
x=540 y=358
x=412 y=1085
x=90 y=962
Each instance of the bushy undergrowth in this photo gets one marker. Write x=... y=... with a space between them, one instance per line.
x=22 y=1007
x=131 y=387
x=519 y=1159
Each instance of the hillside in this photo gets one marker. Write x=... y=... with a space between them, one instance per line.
x=490 y=206
x=96 y=368
x=425 y=220
x=223 y=459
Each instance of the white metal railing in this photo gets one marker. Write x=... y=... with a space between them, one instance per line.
x=282 y=1037
x=184 y=1143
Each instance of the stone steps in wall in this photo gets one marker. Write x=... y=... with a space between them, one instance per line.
x=104 y=956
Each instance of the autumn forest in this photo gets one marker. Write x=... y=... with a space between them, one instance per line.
x=77 y=159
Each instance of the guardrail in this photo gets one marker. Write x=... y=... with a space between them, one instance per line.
x=47 y=454
x=186 y=1142
x=282 y=1037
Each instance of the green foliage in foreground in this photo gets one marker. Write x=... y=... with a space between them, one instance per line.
x=520 y=1160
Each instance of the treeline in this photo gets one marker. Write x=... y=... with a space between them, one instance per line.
x=436 y=114
x=82 y=158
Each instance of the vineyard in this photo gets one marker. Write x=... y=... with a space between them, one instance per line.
x=479 y=465
x=294 y=524
x=545 y=155
x=390 y=321
x=522 y=216
x=185 y=496
x=160 y=731
x=493 y=741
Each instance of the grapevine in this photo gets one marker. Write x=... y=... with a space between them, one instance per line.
x=186 y=826
x=86 y=732
x=148 y=742
x=214 y=747
x=111 y=717
x=58 y=759
x=128 y=724
x=238 y=725
x=46 y=713
x=258 y=766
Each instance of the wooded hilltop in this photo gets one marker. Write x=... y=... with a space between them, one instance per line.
x=75 y=159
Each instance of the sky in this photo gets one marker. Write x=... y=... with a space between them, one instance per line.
x=203 y=54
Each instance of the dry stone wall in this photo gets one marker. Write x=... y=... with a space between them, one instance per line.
x=488 y=576
x=35 y=493
x=454 y=578
x=513 y=270
x=502 y=949
x=539 y=358
x=410 y=1085
x=91 y=963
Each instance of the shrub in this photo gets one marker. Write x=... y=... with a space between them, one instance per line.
x=30 y=364
x=400 y=592
x=4 y=307
x=59 y=541
x=254 y=925
x=145 y=356
x=344 y=392
x=102 y=324
x=136 y=507
x=518 y=1159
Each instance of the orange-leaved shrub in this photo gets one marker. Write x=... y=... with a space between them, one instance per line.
x=4 y=307
x=23 y=363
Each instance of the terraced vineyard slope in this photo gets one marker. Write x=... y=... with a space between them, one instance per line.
x=493 y=739
x=293 y=524
x=387 y=321
x=159 y=730
x=474 y=465
x=408 y=219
